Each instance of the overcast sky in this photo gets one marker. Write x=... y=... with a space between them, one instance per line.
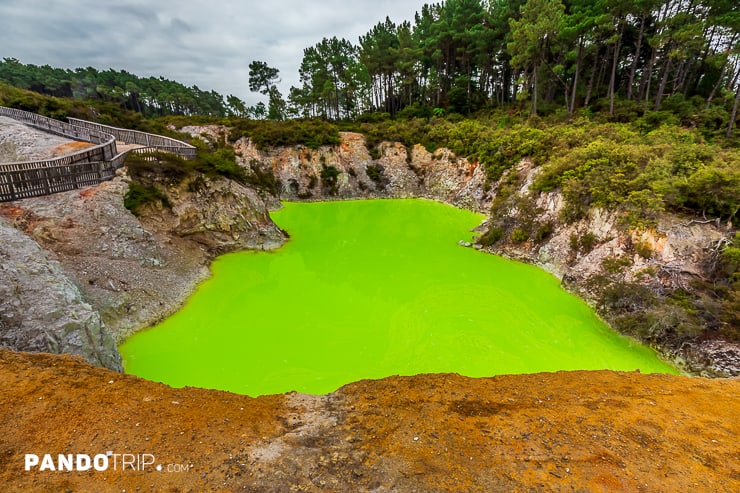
x=196 y=42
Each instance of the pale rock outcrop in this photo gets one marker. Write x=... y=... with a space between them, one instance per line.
x=398 y=172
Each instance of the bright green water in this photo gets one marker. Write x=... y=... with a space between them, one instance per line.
x=367 y=289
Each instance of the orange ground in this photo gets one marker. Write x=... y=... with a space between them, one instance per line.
x=71 y=148
x=571 y=431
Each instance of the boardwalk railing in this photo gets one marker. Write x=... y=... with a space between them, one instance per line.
x=106 y=141
x=80 y=169
x=141 y=138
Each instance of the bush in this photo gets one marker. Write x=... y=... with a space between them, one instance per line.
x=220 y=162
x=519 y=235
x=375 y=173
x=329 y=176
x=612 y=166
x=655 y=119
x=158 y=165
x=643 y=250
x=544 y=231
x=642 y=209
x=415 y=110
x=584 y=243
x=490 y=237
x=588 y=241
x=263 y=180
x=615 y=265
x=140 y=195
x=266 y=134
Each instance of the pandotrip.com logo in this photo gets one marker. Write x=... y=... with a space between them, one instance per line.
x=108 y=461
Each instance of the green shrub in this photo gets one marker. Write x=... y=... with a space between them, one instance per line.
x=490 y=237
x=140 y=195
x=642 y=209
x=375 y=173
x=519 y=235
x=221 y=162
x=643 y=249
x=329 y=176
x=158 y=165
x=616 y=265
x=655 y=119
x=588 y=242
x=266 y=134
x=259 y=178
x=584 y=243
x=544 y=231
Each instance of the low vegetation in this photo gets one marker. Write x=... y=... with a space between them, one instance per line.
x=151 y=172
x=139 y=195
x=269 y=134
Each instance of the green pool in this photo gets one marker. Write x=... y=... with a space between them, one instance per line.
x=367 y=289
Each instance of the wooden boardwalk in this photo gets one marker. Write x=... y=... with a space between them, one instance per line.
x=81 y=169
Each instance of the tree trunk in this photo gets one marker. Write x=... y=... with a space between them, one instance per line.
x=506 y=83
x=534 y=92
x=572 y=107
x=647 y=78
x=717 y=85
x=633 y=68
x=663 y=82
x=613 y=77
x=681 y=71
x=602 y=71
x=590 y=87
x=693 y=82
x=733 y=115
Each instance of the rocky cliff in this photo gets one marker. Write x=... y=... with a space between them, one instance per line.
x=42 y=310
x=137 y=270
x=645 y=281
x=596 y=257
x=349 y=171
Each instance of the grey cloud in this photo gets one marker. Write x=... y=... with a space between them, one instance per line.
x=208 y=44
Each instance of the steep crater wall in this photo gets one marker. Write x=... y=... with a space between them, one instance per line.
x=596 y=257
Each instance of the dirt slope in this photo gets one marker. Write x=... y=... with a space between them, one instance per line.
x=574 y=431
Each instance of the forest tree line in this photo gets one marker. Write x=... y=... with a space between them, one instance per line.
x=461 y=56
x=150 y=96
x=464 y=55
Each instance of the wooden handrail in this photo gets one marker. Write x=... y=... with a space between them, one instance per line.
x=80 y=169
x=138 y=137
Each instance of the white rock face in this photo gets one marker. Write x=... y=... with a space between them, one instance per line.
x=399 y=172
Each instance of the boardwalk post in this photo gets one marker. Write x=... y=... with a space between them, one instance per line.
x=44 y=179
x=11 y=189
